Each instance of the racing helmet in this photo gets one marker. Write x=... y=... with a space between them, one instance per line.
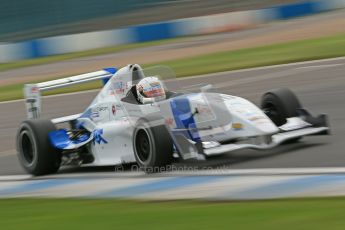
x=149 y=90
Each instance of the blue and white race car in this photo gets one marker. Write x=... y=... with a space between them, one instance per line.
x=143 y=116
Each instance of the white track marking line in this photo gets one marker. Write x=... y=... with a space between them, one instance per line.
x=15 y=177
x=267 y=76
x=7 y=153
x=265 y=67
x=207 y=75
x=320 y=66
x=12 y=101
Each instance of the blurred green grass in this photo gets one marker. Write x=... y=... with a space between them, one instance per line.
x=325 y=213
x=304 y=50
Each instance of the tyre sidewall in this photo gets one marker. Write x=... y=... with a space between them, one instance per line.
x=46 y=158
x=285 y=102
x=280 y=119
x=150 y=161
x=161 y=146
x=30 y=167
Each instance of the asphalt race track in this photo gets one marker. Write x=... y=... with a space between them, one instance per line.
x=320 y=86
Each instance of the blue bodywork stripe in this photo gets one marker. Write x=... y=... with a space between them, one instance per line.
x=109 y=70
x=184 y=118
x=60 y=139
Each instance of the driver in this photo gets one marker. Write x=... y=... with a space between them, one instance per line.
x=149 y=90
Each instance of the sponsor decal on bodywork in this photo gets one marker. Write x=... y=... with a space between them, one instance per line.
x=100 y=113
x=34 y=89
x=113 y=109
x=237 y=126
x=97 y=137
x=169 y=121
x=119 y=87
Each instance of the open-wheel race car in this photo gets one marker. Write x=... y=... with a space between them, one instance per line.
x=143 y=116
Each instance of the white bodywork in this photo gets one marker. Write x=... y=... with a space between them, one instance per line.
x=216 y=118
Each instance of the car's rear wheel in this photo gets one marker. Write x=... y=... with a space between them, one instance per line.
x=35 y=152
x=153 y=147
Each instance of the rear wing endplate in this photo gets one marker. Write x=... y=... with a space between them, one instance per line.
x=32 y=92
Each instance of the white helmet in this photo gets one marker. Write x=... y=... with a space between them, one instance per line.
x=150 y=89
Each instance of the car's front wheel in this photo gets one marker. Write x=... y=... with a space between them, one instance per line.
x=35 y=152
x=280 y=104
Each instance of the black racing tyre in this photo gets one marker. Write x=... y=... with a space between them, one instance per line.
x=280 y=104
x=35 y=152
x=153 y=146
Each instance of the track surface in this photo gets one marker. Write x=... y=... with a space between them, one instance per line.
x=319 y=84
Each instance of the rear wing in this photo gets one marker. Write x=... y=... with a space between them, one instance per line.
x=32 y=92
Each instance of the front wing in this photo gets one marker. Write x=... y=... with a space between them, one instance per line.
x=276 y=140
